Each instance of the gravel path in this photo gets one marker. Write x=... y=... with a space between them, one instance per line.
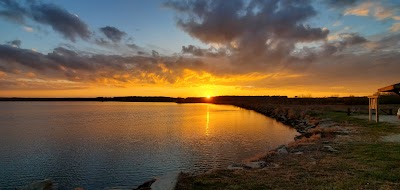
x=386 y=118
x=382 y=118
x=391 y=138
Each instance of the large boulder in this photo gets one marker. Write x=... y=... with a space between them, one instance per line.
x=282 y=150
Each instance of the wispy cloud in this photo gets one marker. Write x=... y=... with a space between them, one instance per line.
x=361 y=10
x=395 y=27
x=374 y=9
x=27 y=28
x=337 y=23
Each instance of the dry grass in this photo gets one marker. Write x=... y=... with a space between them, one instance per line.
x=305 y=141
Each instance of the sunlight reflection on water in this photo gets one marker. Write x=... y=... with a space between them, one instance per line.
x=121 y=144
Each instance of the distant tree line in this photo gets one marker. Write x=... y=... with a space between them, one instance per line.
x=351 y=100
x=387 y=98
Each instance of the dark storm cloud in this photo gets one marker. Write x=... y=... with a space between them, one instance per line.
x=66 y=64
x=9 y=56
x=255 y=32
x=67 y=24
x=224 y=21
x=112 y=33
x=16 y=43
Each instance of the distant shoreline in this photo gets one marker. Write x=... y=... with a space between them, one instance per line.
x=99 y=99
x=279 y=100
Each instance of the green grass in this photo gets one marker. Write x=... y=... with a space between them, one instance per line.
x=380 y=161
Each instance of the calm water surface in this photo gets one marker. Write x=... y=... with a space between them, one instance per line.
x=99 y=145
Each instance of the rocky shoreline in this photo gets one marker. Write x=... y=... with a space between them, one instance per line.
x=317 y=136
x=308 y=126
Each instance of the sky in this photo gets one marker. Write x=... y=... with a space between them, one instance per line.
x=92 y=48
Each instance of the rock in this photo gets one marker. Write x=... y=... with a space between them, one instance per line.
x=146 y=185
x=298 y=137
x=271 y=165
x=325 y=142
x=298 y=153
x=307 y=134
x=282 y=150
x=300 y=126
x=166 y=182
x=235 y=166
x=310 y=127
x=39 y=185
x=329 y=148
x=282 y=118
x=256 y=165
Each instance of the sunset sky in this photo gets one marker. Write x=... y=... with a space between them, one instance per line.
x=71 y=48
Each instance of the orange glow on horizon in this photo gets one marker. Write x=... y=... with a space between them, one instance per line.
x=194 y=91
x=190 y=84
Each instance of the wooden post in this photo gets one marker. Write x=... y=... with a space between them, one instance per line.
x=377 y=110
x=369 y=110
x=373 y=105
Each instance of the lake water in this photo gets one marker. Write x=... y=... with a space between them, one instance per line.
x=97 y=145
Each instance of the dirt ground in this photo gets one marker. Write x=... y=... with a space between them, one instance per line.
x=382 y=118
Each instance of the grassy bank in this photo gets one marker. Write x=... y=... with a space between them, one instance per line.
x=359 y=159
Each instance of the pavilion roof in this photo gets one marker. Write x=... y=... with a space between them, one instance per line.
x=391 y=88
